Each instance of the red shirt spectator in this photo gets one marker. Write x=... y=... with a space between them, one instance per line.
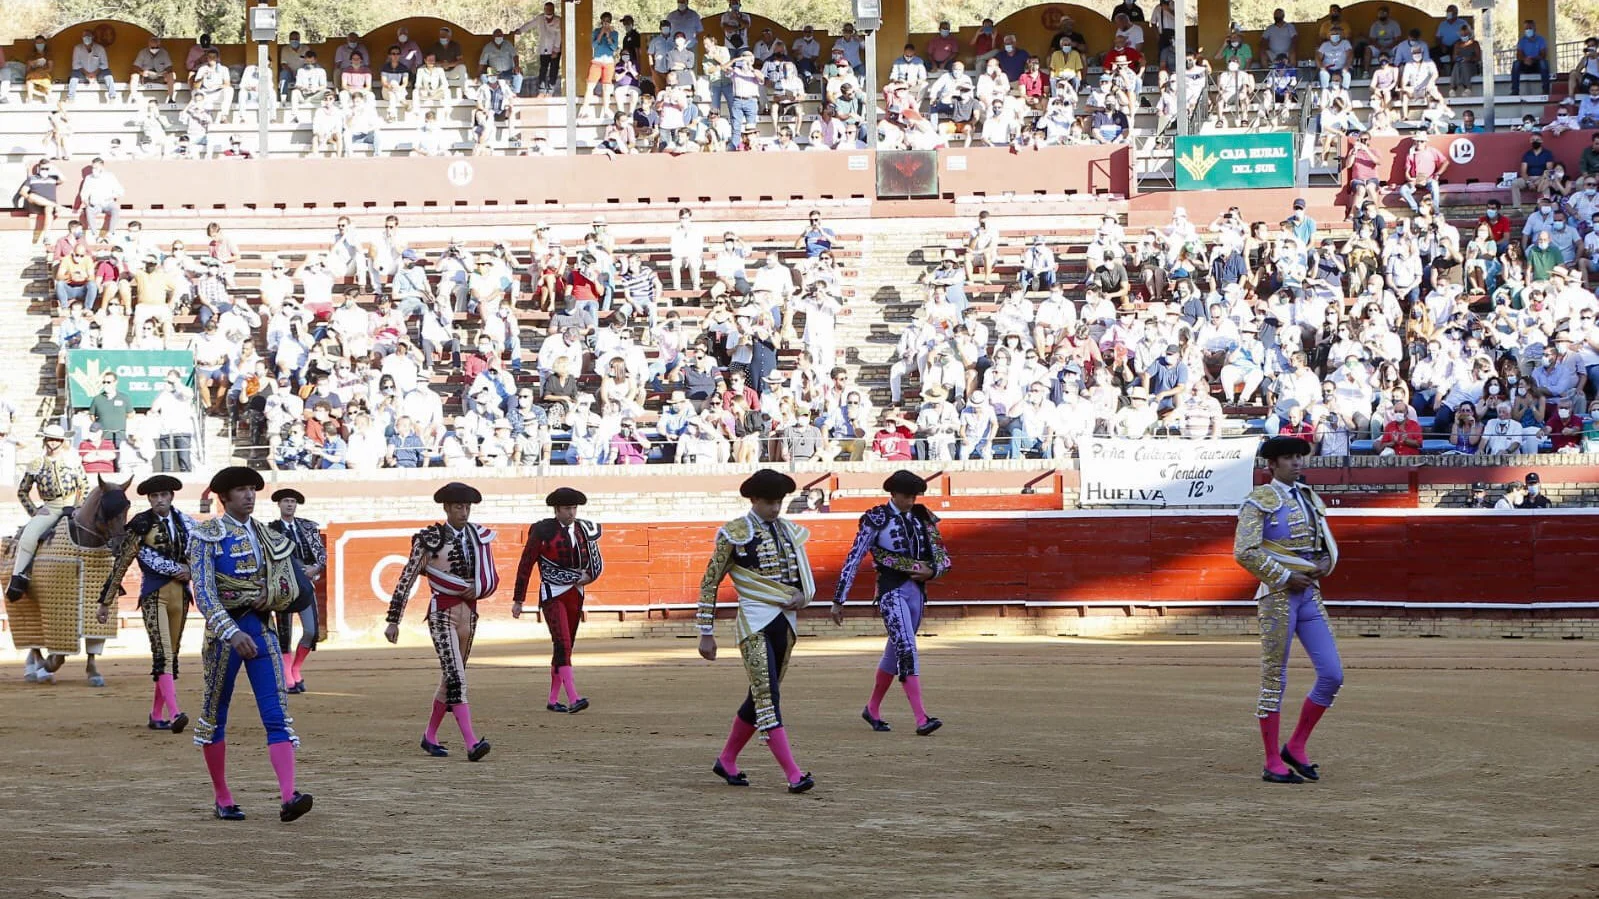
x=941 y=50
x=99 y=456
x=893 y=443
x=1129 y=53
x=1424 y=163
x=1560 y=421
x=1304 y=431
x=585 y=289
x=1499 y=225
x=1403 y=436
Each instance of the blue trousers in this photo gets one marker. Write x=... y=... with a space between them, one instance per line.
x=221 y=669
x=1283 y=615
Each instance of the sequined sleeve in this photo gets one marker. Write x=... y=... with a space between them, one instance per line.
x=1247 y=550
x=153 y=561
x=596 y=558
x=218 y=620
x=313 y=540
x=413 y=567
x=25 y=491
x=865 y=541
x=715 y=570
x=132 y=546
x=524 y=569
x=941 y=561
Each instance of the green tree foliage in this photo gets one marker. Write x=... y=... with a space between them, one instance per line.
x=321 y=19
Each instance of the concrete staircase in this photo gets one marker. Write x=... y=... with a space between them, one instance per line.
x=27 y=357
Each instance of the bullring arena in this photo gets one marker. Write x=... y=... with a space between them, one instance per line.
x=1079 y=342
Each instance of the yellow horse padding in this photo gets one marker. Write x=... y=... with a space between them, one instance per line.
x=58 y=613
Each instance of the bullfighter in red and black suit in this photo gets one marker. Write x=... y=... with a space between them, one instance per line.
x=567 y=550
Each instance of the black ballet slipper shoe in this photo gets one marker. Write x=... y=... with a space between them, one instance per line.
x=556 y=707
x=877 y=724
x=296 y=807
x=229 y=813
x=803 y=785
x=159 y=725
x=179 y=723
x=932 y=724
x=479 y=750
x=1303 y=769
x=434 y=749
x=578 y=706
x=1272 y=777
x=733 y=780
x=297 y=687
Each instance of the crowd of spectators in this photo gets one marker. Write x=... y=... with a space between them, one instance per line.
x=1403 y=333
x=373 y=352
x=677 y=89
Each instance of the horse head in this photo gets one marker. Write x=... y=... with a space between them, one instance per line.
x=103 y=517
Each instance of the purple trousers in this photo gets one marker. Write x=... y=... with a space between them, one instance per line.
x=902 y=617
x=1283 y=616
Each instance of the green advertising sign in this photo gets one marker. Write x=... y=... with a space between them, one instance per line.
x=139 y=373
x=1235 y=161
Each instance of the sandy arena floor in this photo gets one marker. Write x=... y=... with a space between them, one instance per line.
x=1066 y=768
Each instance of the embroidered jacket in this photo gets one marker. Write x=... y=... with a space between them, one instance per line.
x=767 y=563
x=160 y=555
x=60 y=478
x=233 y=566
x=459 y=566
x=1282 y=529
x=306 y=535
x=896 y=542
x=562 y=560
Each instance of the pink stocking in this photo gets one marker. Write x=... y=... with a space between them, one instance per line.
x=777 y=741
x=879 y=690
x=158 y=703
x=555 y=685
x=300 y=652
x=1309 y=714
x=434 y=720
x=463 y=718
x=216 y=762
x=569 y=684
x=282 y=756
x=913 y=692
x=169 y=694
x=737 y=739
x=1269 y=729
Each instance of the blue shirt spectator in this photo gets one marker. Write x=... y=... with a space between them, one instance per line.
x=408 y=451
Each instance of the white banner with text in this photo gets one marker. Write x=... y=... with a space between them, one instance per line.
x=1172 y=472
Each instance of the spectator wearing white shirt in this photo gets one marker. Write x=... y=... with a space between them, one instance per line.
x=310 y=86
x=735 y=26
x=100 y=195
x=1280 y=38
x=153 y=63
x=806 y=51
x=90 y=64
x=688 y=250
x=910 y=69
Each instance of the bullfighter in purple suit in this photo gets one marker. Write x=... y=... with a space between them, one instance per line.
x=903 y=540
x=1283 y=540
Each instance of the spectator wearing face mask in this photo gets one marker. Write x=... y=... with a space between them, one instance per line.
x=1535 y=163
x=1535 y=498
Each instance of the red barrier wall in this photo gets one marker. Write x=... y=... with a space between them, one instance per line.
x=1491 y=155
x=992 y=171
x=546 y=181
x=1394 y=558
